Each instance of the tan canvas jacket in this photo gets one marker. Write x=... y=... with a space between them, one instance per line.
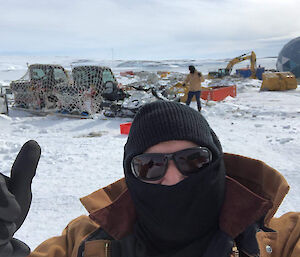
x=253 y=189
x=193 y=81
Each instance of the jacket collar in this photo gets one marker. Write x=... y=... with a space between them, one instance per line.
x=253 y=189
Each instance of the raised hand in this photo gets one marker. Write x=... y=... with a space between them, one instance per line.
x=15 y=199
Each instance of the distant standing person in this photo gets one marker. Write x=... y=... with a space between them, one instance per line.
x=193 y=80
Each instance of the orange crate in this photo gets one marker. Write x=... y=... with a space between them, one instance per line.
x=125 y=128
x=218 y=93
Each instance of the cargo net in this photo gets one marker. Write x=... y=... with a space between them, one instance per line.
x=50 y=88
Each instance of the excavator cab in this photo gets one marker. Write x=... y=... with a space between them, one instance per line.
x=223 y=72
x=218 y=74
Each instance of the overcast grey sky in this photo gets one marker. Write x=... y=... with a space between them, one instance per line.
x=147 y=29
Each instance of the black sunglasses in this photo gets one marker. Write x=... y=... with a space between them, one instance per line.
x=153 y=166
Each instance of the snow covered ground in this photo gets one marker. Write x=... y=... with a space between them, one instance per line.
x=80 y=156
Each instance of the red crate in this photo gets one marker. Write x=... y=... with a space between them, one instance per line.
x=125 y=73
x=218 y=93
x=125 y=128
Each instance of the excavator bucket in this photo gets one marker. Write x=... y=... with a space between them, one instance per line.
x=278 y=81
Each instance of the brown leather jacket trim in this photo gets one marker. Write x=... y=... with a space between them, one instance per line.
x=118 y=218
x=259 y=178
x=241 y=208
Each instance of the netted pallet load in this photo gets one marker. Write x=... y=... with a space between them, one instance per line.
x=50 y=88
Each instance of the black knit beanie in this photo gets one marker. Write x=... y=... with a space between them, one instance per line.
x=161 y=121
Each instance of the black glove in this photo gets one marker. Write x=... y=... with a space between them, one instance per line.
x=15 y=199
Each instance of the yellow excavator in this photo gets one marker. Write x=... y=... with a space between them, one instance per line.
x=226 y=72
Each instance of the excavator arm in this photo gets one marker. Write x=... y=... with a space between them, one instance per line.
x=243 y=57
x=225 y=72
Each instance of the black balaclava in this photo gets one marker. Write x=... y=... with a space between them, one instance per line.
x=192 y=69
x=178 y=220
